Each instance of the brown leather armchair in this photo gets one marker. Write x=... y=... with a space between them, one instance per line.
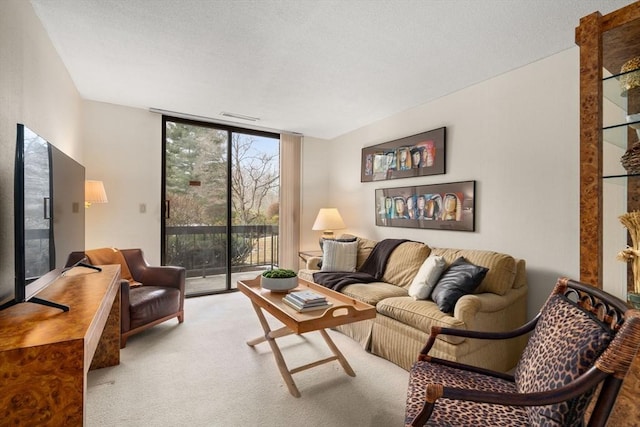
x=149 y=295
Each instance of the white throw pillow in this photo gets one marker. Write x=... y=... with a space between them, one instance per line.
x=427 y=277
x=339 y=256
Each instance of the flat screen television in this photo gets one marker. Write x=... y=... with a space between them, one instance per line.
x=49 y=214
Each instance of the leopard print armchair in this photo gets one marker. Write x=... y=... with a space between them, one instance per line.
x=582 y=339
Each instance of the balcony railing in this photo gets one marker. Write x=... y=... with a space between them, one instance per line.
x=202 y=250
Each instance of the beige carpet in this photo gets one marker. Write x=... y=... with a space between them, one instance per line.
x=202 y=373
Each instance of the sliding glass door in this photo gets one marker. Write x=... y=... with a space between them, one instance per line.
x=221 y=192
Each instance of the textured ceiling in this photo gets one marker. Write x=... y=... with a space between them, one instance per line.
x=320 y=68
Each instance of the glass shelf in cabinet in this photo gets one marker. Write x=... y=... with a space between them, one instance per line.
x=618 y=134
x=622 y=178
x=612 y=90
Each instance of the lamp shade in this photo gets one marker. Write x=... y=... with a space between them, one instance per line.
x=328 y=219
x=94 y=192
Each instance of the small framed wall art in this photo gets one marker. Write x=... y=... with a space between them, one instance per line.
x=418 y=155
x=437 y=206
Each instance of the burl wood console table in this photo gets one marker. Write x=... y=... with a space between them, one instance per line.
x=343 y=310
x=45 y=353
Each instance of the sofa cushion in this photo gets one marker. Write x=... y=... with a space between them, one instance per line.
x=365 y=246
x=372 y=293
x=306 y=274
x=427 y=277
x=339 y=256
x=502 y=267
x=346 y=238
x=404 y=262
x=460 y=412
x=420 y=314
x=459 y=279
x=148 y=303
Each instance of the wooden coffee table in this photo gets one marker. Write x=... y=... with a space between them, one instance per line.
x=344 y=310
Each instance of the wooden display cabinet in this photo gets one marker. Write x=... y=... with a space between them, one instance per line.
x=606 y=43
x=607 y=190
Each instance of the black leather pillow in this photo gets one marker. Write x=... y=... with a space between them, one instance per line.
x=460 y=278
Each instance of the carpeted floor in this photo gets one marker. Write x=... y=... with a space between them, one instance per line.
x=202 y=373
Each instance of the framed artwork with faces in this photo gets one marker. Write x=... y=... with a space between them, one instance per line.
x=449 y=206
x=417 y=155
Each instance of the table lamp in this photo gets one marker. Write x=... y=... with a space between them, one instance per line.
x=328 y=219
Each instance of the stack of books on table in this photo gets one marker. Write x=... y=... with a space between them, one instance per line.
x=306 y=300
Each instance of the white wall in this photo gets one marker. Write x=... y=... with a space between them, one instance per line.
x=36 y=90
x=517 y=135
x=123 y=148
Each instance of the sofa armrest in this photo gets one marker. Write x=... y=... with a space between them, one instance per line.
x=510 y=333
x=141 y=271
x=470 y=309
x=166 y=276
x=313 y=263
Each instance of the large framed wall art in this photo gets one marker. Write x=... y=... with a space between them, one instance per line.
x=448 y=206
x=418 y=155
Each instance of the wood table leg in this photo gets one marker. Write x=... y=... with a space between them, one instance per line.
x=282 y=332
x=270 y=337
x=340 y=357
x=277 y=354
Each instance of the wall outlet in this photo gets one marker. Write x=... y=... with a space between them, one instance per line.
x=143 y=207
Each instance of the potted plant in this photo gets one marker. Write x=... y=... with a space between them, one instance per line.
x=279 y=280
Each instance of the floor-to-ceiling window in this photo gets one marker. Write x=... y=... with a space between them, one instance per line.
x=221 y=193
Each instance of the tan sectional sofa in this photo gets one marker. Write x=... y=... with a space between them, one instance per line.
x=402 y=324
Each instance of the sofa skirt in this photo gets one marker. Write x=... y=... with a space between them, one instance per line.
x=359 y=332
x=401 y=345
x=396 y=341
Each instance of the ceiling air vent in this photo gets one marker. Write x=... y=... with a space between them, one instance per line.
x=240 y=116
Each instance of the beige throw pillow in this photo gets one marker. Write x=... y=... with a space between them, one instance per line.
x=427 y=277
x=339 y=256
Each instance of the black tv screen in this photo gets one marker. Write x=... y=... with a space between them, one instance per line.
x=49 y=213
